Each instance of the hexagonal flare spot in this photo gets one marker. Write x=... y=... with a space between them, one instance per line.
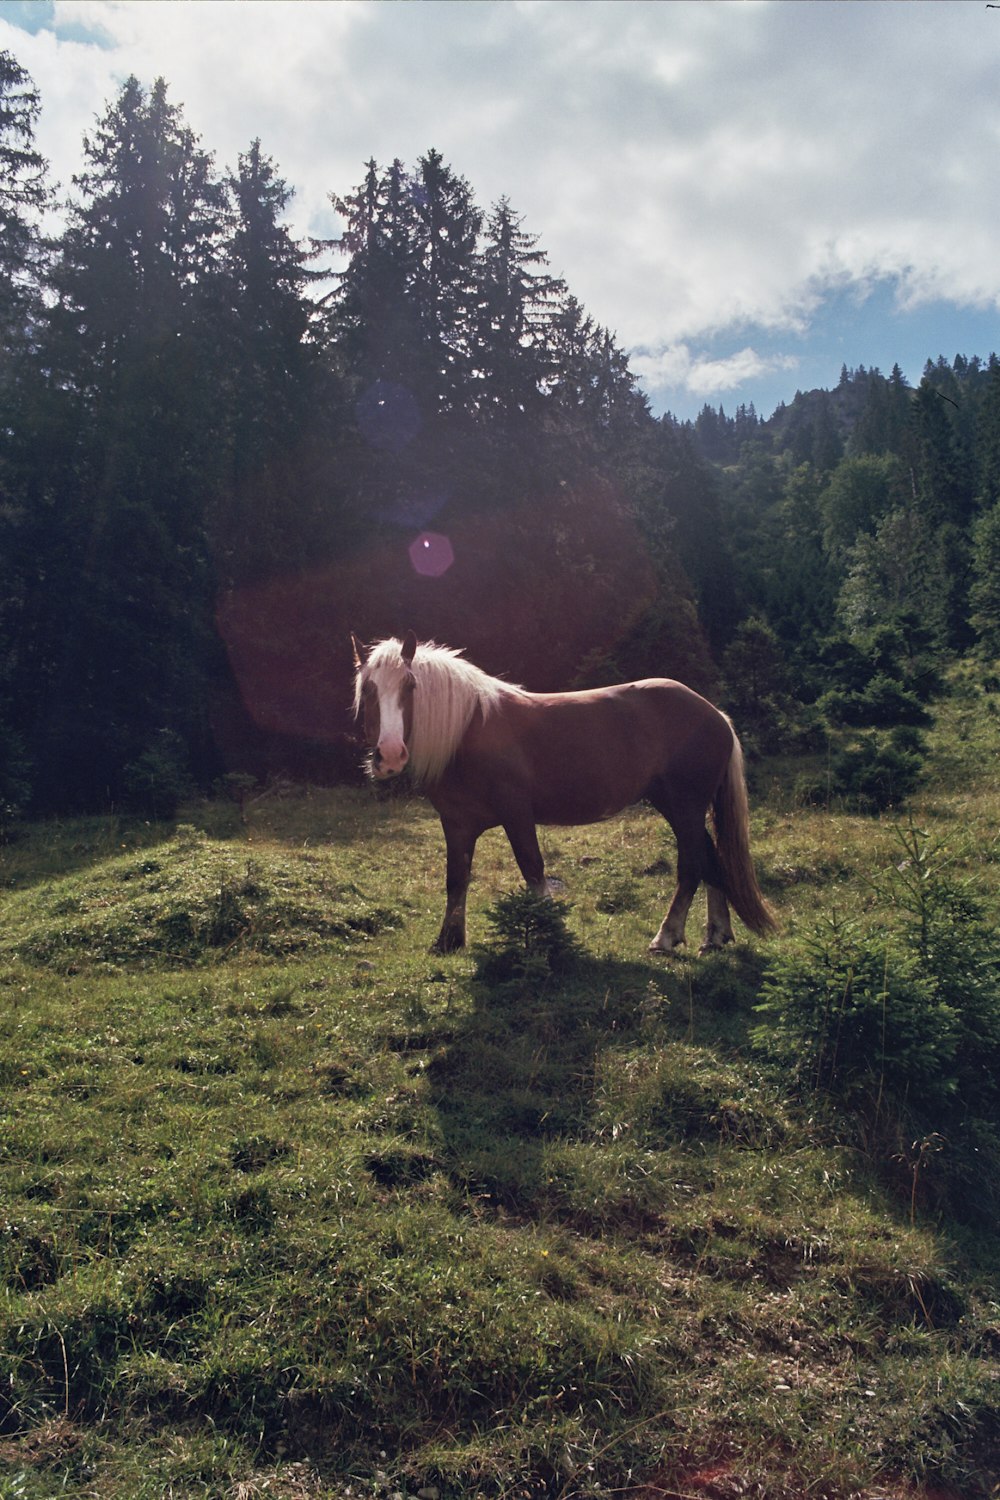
x=431 y=554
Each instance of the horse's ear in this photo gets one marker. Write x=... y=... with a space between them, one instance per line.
x=409 y=648
x=358 y=650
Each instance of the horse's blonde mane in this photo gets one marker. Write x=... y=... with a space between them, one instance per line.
x=449 y=690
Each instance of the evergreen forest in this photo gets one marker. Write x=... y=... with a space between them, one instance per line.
x=222 y=449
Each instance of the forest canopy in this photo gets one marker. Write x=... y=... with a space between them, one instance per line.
x=224 y=448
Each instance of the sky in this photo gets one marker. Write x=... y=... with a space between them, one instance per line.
x=748 y=193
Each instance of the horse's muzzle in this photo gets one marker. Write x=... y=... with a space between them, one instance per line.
x=389 y=762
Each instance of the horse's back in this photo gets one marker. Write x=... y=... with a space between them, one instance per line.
x=582 y=756
x=668 y=714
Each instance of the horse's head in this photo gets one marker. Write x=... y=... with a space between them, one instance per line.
x=383 y=701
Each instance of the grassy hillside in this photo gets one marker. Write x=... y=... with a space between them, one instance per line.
x=290 y=1207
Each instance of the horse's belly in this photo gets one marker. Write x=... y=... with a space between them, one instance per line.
x=577 y=803
x=598 y=763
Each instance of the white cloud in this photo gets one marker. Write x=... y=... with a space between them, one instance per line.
x=690 y=168
x=676 y=367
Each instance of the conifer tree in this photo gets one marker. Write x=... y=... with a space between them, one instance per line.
x=265 y=273
x=988 y=446
x=131 y=354
x=372 y=316
x=274 y=392
x=872 y=433
x=517 y=303
x=939 y=490
x=445 y=288
x=683 y=492
x=24 y=193
x=593 y=389
x=984 y=593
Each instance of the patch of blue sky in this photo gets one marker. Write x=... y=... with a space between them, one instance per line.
x=845 y=328
x=34 y=16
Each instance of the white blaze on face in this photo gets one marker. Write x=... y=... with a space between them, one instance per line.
x=391 y=753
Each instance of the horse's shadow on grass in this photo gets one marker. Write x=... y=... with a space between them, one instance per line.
x=529 y=1067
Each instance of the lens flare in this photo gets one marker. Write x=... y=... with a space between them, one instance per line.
x=431 y=554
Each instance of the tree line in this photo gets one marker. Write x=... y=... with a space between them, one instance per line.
x=222 y=448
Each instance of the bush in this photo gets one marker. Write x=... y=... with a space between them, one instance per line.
x=879 y=771
x=883 y=702
x=534 y=940
x=944 y=924
x=901 y=1025
x=15 y=775
x=856 y=1017
x=158 y=780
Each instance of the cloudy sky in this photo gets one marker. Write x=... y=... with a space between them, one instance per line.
x=749 y=193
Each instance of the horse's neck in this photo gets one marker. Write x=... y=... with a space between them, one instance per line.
x=448 y=694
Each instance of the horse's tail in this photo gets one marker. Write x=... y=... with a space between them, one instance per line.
x=731 y=820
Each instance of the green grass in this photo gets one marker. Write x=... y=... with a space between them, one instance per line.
x=291 y=1207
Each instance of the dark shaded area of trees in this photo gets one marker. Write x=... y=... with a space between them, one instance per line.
x=221 y=449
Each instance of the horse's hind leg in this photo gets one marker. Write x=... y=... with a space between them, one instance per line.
x=718 y=928
x=697 y=860
x=671 y=933
x=523 y=838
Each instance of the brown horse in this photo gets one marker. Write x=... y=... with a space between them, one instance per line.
x=488 y=754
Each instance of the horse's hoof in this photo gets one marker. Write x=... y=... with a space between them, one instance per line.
x=665 y=948
x=716 y=947
x=447 y=945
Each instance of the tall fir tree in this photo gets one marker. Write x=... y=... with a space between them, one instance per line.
x=24 y=194
x=275 y=395
x=445 y=288
x=594 y=392
x=939 y=485
x=132 y=393
x=371 y=315
x=988 y=445
x=517 y=302
x=984 y=593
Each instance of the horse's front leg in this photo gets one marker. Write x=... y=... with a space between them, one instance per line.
x=461 y=844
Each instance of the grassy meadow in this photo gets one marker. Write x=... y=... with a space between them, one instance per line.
x=291 y=1207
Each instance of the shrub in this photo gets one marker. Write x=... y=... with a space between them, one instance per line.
x=15 y=775
x=902 y=1025
x=882 y=703
x=533 y=937
x=856 y=1018
x=944 y=923
x=158 y=780
x=877 y=772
